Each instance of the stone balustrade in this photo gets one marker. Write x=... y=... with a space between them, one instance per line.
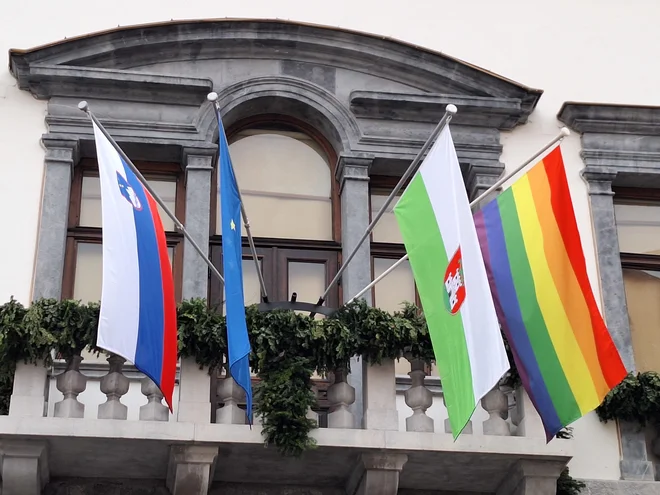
x=116 y=391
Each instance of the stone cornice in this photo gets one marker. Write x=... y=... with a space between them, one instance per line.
x=620 y=143
x=125 y=48
x=47 y=80
x=61 y=149
x=611 y=119
x=500 y=113
x=353 y=167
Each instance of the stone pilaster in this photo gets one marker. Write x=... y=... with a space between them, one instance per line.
x=480 y=177
x=634 y=463
x=190 y=469
x=528 y=477
x=61 y=156
x=376 y=474
x=194 y=396
x=24 y=467
x=199 y=166
x=353 y=177
x=613 y=292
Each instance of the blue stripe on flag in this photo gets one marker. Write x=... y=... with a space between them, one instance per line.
x=513 y=323
x=149 y=351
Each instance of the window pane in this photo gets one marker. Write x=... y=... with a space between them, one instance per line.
x=87 y=282
x=90 y=208
x=396 y=288
x=307 y=280
x=285 y=183
x=89 y=271
x=386 y=230
x=638 y=227
x=251 y=288
x=642 y=296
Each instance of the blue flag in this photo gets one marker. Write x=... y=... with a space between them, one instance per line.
x=238 y=343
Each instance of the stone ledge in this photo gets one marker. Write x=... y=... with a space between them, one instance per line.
x=105 y=447
x=45 y=81
x=610 y=119
x=615 y=487
x=501 y=113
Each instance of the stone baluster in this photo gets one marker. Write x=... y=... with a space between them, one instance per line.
x=525 y=416
x=114 y=385
x=230 y=395
x=418 y=398
x=496 y=405
x=468 y=427
x=310 y=413
x=71 y=383
x=341 y=396
x=154 y=409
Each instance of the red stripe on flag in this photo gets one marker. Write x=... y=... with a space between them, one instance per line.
x=610 y=361
x=168 y=372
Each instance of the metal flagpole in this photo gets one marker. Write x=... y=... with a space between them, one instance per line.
x=85 y=108
x=450 y=111
x=562 y=134
x=213 y=98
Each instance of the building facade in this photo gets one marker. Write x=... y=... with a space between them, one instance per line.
x=322 y=121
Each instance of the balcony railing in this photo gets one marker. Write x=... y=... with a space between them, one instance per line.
x=116 y=418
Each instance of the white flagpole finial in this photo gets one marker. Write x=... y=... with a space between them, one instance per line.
x=212 y=97
x=565 y=131
x=83 y=106
x=451 y=109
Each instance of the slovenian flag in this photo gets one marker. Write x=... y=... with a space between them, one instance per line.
x=138 y=308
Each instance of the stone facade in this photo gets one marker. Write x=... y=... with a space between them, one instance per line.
x=375 y=101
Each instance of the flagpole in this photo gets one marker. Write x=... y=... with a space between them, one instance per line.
x=450 y=111
x=85 y=108
x=213 y=98
x=562 y=134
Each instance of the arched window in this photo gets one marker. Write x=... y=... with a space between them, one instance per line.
x=284 y=170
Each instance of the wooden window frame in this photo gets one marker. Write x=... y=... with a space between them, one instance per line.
x=93 y=235
x=640 y=196
x=386 y=250
x=276 y=252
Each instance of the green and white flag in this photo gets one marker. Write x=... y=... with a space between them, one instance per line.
x=441 y=240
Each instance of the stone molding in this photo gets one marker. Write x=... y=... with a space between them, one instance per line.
x=129 y=47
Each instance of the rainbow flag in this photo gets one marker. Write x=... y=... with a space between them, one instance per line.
x=545 y=304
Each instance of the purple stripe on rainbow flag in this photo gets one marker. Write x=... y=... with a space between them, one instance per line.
x=493 y=248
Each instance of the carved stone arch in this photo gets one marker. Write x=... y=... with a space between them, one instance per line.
x=287 y=96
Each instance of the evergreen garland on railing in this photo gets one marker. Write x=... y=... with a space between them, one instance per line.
x=287 y=347
x=635 y=400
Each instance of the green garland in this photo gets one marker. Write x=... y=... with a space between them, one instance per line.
x=283 y=394
x=566 y=485
x=635 y=400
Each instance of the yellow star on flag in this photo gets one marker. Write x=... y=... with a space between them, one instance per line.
x=232 y=224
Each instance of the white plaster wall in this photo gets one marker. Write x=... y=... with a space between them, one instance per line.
x=585 y=50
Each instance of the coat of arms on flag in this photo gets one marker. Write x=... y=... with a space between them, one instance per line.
x=454 y=283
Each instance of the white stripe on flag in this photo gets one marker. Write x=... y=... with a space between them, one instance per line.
x=442 y=177
x=120 y=299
